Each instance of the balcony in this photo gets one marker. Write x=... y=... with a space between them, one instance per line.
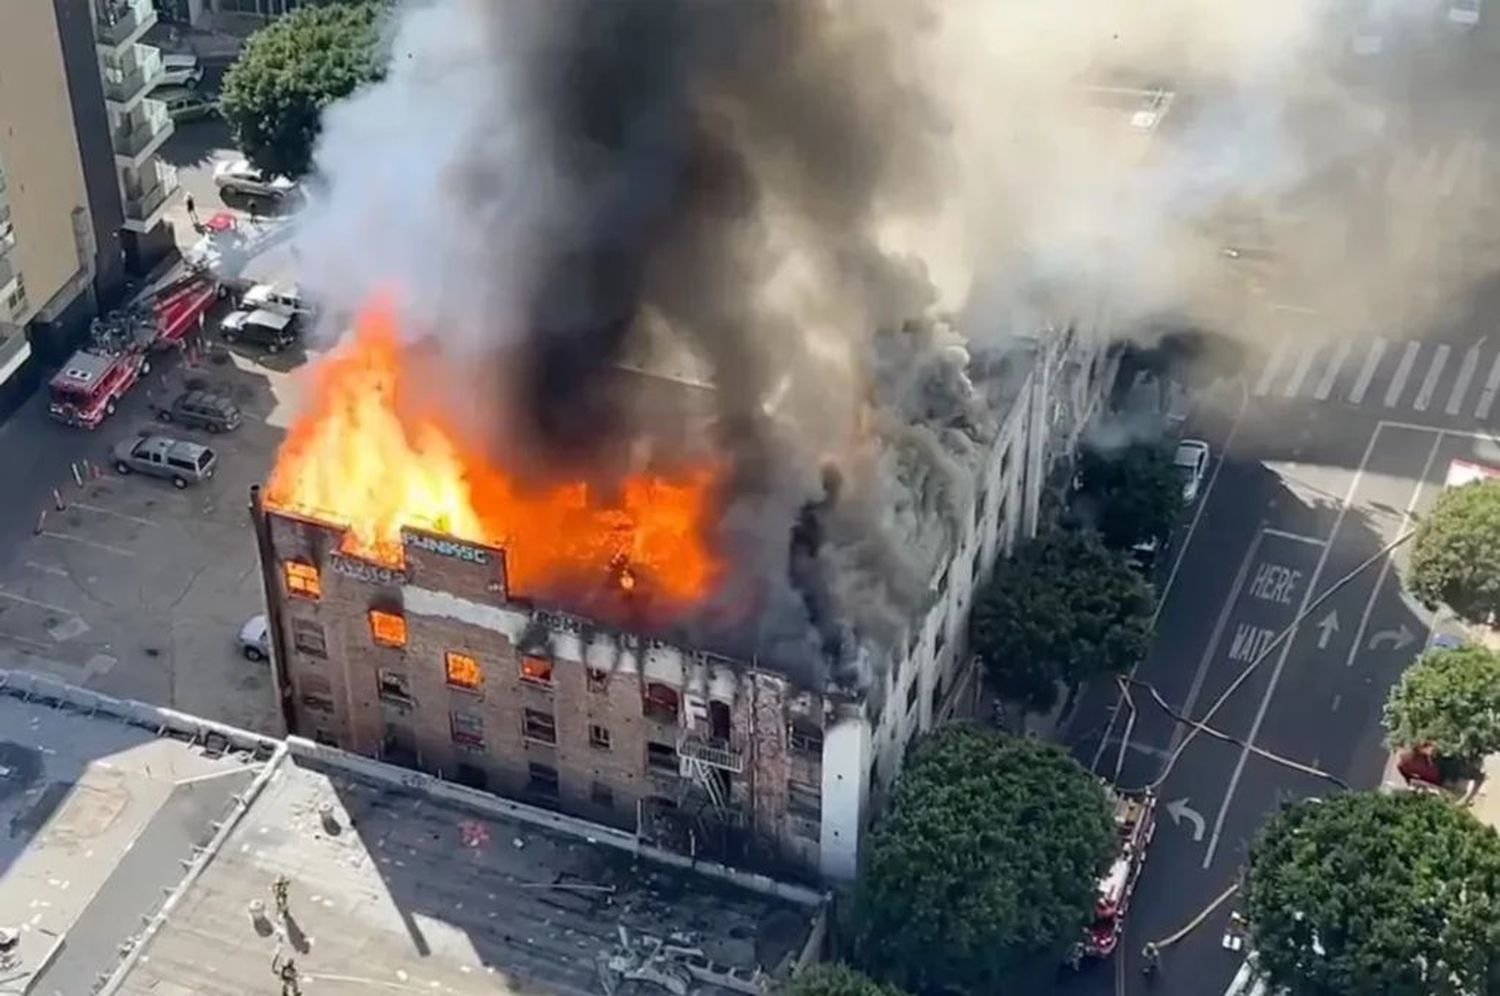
x=125 y=80
x=142 y=133
x=714 y=753
x=14 y=349
x=145 y=198
x=118 y=23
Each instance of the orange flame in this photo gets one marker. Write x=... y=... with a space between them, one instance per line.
x=352 y=459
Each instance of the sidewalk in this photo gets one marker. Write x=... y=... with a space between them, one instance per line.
x=216 y=40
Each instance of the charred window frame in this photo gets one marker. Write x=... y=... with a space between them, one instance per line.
x=536 y=670
x=937 y=697
x=394 y=686
x=542 y=780
x=302 y=579
x=466 y=728
x=912 y=691
x=598 y=681
x=805 y=738
x=538 y=726
x=316 y=692
x=662 y=758
x=307 y=637
x=804 y=800
x=661 y=703
x=599 y=737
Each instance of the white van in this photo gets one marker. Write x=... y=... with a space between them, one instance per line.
x=282 y=300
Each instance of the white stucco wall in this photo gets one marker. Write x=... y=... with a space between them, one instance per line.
x=846 y=754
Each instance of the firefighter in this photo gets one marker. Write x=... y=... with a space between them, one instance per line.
x=279 y=892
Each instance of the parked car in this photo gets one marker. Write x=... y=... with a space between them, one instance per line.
x=1144 y=553
x=202 y=410
x=181 y=69
x=178 y=460
x=185 y=103
x=1191 y=460
x=265 y=328
x=255 y=639
x=283 y=300
x=237 y=176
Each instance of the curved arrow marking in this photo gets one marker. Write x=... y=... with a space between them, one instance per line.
x=1397 y=638
x=1180 y=810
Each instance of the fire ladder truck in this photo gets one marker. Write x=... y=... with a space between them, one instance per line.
x=1135 y=824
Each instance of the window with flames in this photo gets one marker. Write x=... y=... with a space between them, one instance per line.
x=302 y=579
x=537 y=670
x=462 y=670
x=388 y=629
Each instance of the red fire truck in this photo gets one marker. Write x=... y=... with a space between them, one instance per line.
x=1135 y=823
x=90 y=384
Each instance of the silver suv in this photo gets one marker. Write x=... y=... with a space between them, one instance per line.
x=177 y=460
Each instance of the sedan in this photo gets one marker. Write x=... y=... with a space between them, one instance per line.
x=1191 y=461
x=237 y=176
x=255 y=639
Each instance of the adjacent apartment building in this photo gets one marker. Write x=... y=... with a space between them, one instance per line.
x=82 y=192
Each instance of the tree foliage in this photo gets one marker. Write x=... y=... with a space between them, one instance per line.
x=1455 y=557
x=837 y=980
x=1450 y=699
x=1062 y=609
x=274 y=95
x=1131 y=494
x=1368 y=892
x=984 y=867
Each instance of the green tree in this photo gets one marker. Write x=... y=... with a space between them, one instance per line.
x=1370 y=892
x=1455 y=557
x=290 y=70
x=1062 y=609
x=983 y=870
x=1450 y=699
x=1131 y=494
x=837 y=980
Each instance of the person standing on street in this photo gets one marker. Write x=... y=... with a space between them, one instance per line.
x=192 y=212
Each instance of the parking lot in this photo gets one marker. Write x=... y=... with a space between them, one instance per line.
x=134 y=587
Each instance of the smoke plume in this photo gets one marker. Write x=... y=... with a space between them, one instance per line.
x=836 y=211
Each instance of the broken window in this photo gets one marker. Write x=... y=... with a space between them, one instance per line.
x=661 y=757
x=911 y=692
x=539 y=726
x=805 y=738
x=388 y=629
x=317 y=692
x=601 y=794
x=937 y=698
x=660 y=702
x=804 y=799
x=542 y=780
x=462 y=670
x=471 y=775
x=598 y=680
x=302 y=579
x=599 y=737
x=394 y=686
x=537 y=670
x=941 y=640
x=466 y=728
x=307 y=636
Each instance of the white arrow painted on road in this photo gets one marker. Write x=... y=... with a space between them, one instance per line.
x=1180 y=810
x=1327 y=626
x=1397 y=638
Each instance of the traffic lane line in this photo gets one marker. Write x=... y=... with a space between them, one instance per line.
x=1386 y=463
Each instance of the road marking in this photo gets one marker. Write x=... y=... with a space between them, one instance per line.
x=1300 y=371
x=1286 y=646
x=1403 y=371
x=1465 y=377
x=1367 y=372
x=111 y=512
x=1429 y=383
x=27 y=641
x=98 y=546
x=1294 y=537
x=47 y=568
x=1325 y=386
x=1491 y=385
x=41 y=605
x=1273 y=365
x=1385 y=567
x=1338 y=700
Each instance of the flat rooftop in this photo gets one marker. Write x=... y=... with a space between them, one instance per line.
x=144 y=847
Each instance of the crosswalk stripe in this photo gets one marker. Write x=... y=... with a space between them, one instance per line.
x=1429 y=383
x=1273 y=364
x=1465 y=376
x=1491 y=385
x=1335 y=364
x=1367 y=372
x=1299 y=372
x=1403 y=371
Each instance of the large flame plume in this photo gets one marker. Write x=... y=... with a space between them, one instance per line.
x=359 y=458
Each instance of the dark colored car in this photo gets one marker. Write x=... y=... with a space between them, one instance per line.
x=202 y=410
x=261 y=327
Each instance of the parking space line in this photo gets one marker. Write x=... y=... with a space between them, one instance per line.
x=26 y=641
x=31 y=601
x=47 y=568
x=111 y=512
x=1295 y=537
x=120 y=551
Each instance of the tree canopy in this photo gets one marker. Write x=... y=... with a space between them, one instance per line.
x=1370 y=892
x=984 y=867
x=1130 y=494
x=275 y=93
x=1062 y=609
x=1450 y=699
x=837 y=980
x=1455 y=557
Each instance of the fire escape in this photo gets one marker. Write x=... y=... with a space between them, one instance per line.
x=710 y=757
